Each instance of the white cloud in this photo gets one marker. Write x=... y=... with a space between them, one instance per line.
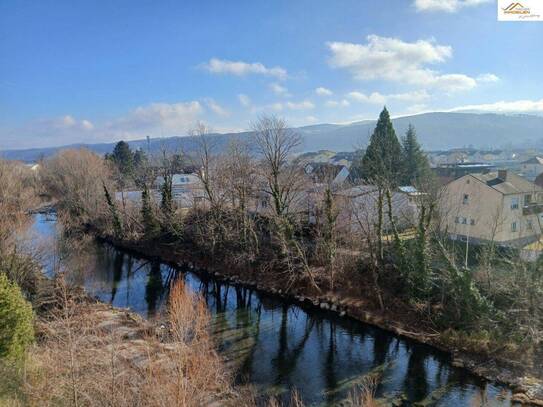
x=374 y=98
x=67 y=122
x=413 y=97
x=244 y=100
x=380 y=99
x=311 y=119
x=87 y=125
x=417 y=108
x=279 y=90
x=157 y=119
x=392 y=59
x=240 y=68
x=337 y=103
x=303 y=105
x=45 y=132
x=517 y=106
x=216 y=108
x=449 y=6
x=323 y=91
x=276 y=106
x=487 y=77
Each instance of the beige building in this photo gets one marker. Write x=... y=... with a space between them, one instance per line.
x=531 y=168
x=496 y=206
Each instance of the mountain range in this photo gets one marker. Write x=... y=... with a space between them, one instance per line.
x=435 y=131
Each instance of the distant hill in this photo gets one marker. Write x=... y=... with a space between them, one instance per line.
x=436 y=131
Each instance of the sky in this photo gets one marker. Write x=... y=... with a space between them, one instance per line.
x=79 y=71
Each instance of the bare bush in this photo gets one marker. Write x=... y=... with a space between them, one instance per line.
x=17 y=197
x=76 y=179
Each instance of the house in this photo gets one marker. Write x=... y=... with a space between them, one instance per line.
x=322 y=173
x=497 y=206
x=187 y=189
x=531 y=168
x=360 y=208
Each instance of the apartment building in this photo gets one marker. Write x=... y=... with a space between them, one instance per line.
x=496 y=206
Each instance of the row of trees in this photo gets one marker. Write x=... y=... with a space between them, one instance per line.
x=388 y=159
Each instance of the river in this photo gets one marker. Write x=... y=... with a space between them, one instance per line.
x=275 y=345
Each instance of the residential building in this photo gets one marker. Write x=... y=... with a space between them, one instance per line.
x=497 y=206
x=187 y=189
x=360 y=208
x=322 y=173
x=531 y=168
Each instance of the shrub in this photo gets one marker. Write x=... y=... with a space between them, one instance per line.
x=16 y=320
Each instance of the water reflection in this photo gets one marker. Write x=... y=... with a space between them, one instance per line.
x=279 y=346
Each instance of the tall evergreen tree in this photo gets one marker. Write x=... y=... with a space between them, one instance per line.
x=415 y=164
x=381 y=163
x=123 y=157
x=139 y=158
x=150 y=224
x=167 y=197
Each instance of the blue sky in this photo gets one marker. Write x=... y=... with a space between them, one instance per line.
x=75 y=71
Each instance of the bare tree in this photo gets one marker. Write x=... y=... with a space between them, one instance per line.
x=285 y=184
x=208 y=162
x=239 y=169
x=275 y=143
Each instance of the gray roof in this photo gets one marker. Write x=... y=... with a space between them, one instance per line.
x=534 y=160
x=514 y=184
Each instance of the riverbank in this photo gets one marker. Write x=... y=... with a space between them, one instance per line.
x=90 y=353
x=524 y=380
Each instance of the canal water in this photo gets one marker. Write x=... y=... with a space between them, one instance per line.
x=275 y=345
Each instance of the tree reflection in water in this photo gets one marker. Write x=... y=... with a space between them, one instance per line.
x=279 y=346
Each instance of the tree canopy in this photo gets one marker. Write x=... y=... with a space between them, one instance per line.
x=415 y=163
x=381 y=163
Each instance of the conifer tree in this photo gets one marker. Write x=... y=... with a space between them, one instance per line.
x=167 y=198
x=381 y=166
x=416 y=166
x=123 y=157
x=382 y=161
x=150 y=224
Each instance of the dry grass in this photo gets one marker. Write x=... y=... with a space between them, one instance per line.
x=93 y=355
x=364 y=394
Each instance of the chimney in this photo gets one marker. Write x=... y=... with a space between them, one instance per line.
x=502 y=174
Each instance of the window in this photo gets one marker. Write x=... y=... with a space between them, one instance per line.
x=514 y=203
x=527 y=199
x=457 y=220
x=472 y=222
x=529 y=225
x=467 y=181
x=514 y=227
x=464 y=221
x=465 y=199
